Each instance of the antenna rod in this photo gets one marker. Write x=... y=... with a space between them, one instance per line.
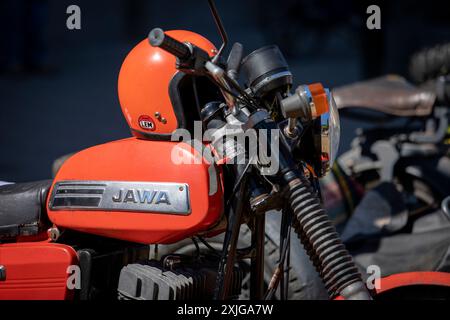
x=220 y=26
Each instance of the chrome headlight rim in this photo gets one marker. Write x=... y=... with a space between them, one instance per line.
x=329 y=136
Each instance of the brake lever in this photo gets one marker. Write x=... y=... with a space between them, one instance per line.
x=196 y=63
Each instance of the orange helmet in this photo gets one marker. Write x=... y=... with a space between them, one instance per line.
x=149 y=88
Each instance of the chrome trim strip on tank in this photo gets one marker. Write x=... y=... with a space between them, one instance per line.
x=148 y=197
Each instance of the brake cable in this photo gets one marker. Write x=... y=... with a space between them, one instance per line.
x=279 y=270
x=207 y=245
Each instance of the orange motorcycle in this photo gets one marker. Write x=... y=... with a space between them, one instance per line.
x=217 y=143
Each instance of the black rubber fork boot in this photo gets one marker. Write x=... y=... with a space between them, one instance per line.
x=323 y=244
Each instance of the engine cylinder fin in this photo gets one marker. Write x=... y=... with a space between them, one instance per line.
x=150 y=281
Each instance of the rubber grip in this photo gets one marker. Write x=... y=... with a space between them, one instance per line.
x=158 y=38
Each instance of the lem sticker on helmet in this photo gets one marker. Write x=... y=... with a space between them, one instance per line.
x=146 y=123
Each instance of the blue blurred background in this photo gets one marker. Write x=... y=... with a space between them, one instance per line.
x=58 y=88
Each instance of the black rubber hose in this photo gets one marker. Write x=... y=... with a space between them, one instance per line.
x=323 y=244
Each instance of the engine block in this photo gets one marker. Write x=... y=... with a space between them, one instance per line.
x=152 y=280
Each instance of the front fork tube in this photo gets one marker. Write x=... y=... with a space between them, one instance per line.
x=257 y=261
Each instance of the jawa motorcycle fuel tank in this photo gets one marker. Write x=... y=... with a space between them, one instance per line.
x=137 y=190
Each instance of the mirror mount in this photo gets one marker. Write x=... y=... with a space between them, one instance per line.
x=220 y=27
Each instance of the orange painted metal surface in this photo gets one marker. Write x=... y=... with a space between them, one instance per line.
x=136 y=160
x=36 y=271
x=143 y=84
x=319 y=97
x=426 y=278
x=414 y=278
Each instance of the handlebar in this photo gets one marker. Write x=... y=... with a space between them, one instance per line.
x=158 y=38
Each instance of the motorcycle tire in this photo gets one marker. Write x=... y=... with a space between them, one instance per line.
x=304 y=281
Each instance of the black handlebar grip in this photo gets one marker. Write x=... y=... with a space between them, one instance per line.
x=158 y=38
